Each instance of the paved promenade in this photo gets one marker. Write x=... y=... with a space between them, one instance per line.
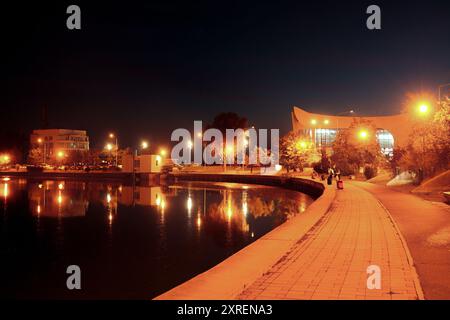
x=426 y=227
x=330 y=261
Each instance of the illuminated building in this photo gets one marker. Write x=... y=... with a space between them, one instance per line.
x=322 y=129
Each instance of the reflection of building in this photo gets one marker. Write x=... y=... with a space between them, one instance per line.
x=323 y=128
x=57 y=199
x=144 y=196
x=53 y=141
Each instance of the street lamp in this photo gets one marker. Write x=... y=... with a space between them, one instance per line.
x=113 y=136
x=301 y=145
x=40 y=141
x=163 y=152
x=363 y=134
x=423 y=108
x=144 y=145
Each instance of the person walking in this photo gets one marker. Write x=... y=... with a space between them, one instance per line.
x=330 y=176
x=338 y=174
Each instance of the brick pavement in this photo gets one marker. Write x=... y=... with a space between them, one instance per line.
x=330 y=261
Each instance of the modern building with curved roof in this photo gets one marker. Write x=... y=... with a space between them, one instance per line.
x=322 y=128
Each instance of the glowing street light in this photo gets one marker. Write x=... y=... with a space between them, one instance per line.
x=113 y=136
x=326 y=121
x=163 y=152
x=109 y=146
x=301 y=145
x=60 y=154
x=44 y=154
x=313 y=122
x=423 y=108
x=363 y=134
x=144 y=145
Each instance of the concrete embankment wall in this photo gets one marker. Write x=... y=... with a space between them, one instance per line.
x=309 y=187
x=230 y=277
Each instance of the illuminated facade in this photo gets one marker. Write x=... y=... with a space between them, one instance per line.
x=391 y=130
x=53 y=141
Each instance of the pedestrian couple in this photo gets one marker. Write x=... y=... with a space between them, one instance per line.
x=333 y=172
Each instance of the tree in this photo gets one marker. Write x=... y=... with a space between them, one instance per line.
x=356 y=146
x=428 y=149
x=228 y=120
x=35 y=156
x=297 y=151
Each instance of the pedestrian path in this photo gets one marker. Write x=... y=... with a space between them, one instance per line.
x=330 y=262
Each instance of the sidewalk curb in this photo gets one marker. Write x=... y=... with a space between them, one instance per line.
x=416 y=279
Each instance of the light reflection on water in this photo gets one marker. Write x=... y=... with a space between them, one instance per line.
x=130 y=241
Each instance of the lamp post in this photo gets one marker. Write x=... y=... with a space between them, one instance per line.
x=113 y=136
x=40 y=141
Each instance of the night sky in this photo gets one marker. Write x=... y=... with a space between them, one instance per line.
x=143 y=69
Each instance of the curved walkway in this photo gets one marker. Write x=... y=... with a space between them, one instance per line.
x=330 y=262
x=426 y=228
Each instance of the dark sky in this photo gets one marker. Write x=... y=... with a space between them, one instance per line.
x=143 y=69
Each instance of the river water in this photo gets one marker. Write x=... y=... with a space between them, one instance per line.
x=129 y=242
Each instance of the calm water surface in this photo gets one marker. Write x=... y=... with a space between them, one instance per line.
x=130 y=242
